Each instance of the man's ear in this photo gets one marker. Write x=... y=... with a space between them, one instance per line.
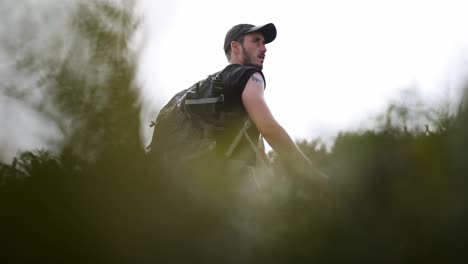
x=235 y=46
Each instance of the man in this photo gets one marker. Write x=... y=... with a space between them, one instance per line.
x=240 y=115
x=217 y=188
x=244 y=85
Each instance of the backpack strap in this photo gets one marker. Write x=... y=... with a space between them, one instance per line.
x=243 y=133
x=237 y=139
x=210 y=100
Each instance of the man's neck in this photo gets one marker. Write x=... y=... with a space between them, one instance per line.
x=235 y=61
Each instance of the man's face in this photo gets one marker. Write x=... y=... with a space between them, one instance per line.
x=253 y=50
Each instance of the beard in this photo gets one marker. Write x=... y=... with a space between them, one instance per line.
x=246 y=58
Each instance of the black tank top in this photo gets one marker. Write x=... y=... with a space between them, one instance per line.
x=235 y=77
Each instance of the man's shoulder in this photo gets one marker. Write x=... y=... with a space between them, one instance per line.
x=240 y=68
x=238 y=71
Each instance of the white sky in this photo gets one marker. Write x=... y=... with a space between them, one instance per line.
x=333 y=64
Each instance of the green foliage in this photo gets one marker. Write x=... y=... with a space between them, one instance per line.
x=393 y=196
x=94 y=87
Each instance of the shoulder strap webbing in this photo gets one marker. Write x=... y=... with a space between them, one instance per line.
x=243 y=132
x=210 y=100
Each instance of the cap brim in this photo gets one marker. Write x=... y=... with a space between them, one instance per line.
x=268 y=30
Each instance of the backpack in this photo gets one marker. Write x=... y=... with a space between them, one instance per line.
x=185 y=127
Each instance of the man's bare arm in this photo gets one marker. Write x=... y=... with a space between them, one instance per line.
x=258 y=110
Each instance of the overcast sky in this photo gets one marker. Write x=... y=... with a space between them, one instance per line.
x=333 y=65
